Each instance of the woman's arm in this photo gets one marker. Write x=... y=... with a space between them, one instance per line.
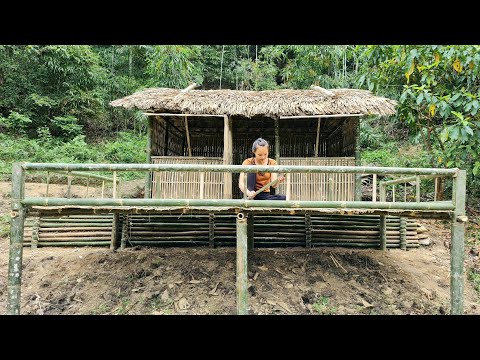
x=241 y=180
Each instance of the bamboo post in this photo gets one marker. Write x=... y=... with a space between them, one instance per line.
x=383 y=234
x=113 y=241
x=103 y=187
x=165 y=138
x=88 y=183
x=403 y=233
x=227 y=156
x=242 y=275
x=436 y=188
x=114 y=194
x=211 y=230
x=393 y=192
x=405 y=193
x=69 y=187
x=148 y=176
x=35 y=229
x=383 y=192
x=125 y=228
x=374 y=188
x=251 y=230
x=16 y=240
x=358 y=177
x=48 y=182
x=188 y=136
x=308 y=231
x=330 y=188
x=317 y=142
x=457 y=244
x=277 y=140
x=417 y=196
x=202 y=185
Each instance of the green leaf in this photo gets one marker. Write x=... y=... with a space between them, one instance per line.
x=468 y=130
x=419 y=98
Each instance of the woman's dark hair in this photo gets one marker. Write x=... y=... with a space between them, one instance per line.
x=259 y=142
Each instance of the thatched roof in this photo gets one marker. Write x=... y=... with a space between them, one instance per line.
x=271 y=103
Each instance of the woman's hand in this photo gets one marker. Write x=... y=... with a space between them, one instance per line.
x=281 y=178
x=250 y=194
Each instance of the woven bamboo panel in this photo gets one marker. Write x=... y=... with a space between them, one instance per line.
x=187 y=185
x=320 y=186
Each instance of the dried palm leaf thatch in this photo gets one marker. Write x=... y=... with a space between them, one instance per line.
x=270 y=103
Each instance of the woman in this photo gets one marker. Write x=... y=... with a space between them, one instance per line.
x=256 y=181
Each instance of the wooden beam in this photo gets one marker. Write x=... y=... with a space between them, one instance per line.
x=227 y=156
x=323 y=91
x=242 y=274
x=383 y=234
x=181 y=114
x=277 y=140
x=457 y=244
x=317 y=143
x=188 y=137
x=189 y=87
x=321 y=116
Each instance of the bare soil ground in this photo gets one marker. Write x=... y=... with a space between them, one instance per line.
x=88 y=280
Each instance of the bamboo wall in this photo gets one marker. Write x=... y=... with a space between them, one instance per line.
x=321 y=187
x=218 y=230
x=187 y=185
x=72 y=230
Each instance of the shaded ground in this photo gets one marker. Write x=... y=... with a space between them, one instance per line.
x=138 y=280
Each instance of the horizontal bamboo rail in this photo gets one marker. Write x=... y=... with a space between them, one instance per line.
x=83 y=174
x=447 y=206
x=238 y=168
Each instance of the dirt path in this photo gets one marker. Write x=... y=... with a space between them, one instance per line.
x=202 y=281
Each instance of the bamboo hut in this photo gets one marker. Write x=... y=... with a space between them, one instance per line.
x=304 y=127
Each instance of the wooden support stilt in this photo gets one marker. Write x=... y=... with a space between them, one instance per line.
x=35 y=229
x=403 y=233
x=317 y=142
x=457 y=244
x=125 y=228
x=16 y=240
x=187 y=134
x=113 y=241
x=211 y=230
x=251 y=230
x=242 y=274
x=308 y=231
x=383 y=233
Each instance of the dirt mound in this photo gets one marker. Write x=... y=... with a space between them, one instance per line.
x=139 y=280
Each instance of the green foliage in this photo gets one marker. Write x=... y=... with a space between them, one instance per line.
x=15 y=123
x=321 y=306
x=127 y=148
x=474 y=277
x=66 y=127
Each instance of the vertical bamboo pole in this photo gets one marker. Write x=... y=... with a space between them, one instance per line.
x=277 y=141
x=125 y=227
x=383 y=232
x=165 y=138
x=113 y=241
x=358 y=177
x=211 y=230
x=405 y=193
x=148 y=176
x=69 y=186
x=188 y=137
x=48 y=182
x=308 y=231
x=383 y=192
x=35 y=229
x=202 y=185
x=374 y=188
x=403 y=233
x=16 y=240
x=417 y=197
x=317 y=142
x=227 y=156
x=393 y=192
x=251 y=231
x=242 y=278
x=457 y=244
x=114 y=194
x=88 y=183
x=103 y=187
x=435 y=193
